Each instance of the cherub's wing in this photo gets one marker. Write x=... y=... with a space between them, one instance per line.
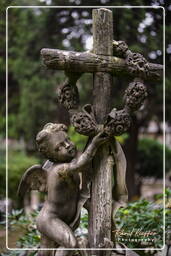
x=35 y=178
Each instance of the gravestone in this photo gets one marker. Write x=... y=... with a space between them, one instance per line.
x=107 y=58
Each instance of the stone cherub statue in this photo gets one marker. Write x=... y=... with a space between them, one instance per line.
x=59 y=176
x=67 y=193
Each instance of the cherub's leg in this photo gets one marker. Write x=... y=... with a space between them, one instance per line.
x=61 y=252
x=56 y=230
x=46 y=243
x=83 y=243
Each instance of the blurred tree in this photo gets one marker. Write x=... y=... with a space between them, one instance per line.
x=150 y=158
x=31 y=88
x=18 y=164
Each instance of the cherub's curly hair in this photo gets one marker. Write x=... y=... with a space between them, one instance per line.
x=43 y=136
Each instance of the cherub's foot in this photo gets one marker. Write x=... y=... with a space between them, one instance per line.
x=106 y=244
x=62 y=252
x=119 y=250
x=82 y=244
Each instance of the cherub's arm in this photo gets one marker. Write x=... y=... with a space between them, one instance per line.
x=89 y=153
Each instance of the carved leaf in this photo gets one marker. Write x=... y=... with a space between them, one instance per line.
x=68 y=95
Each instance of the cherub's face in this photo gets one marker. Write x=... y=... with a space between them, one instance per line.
x=61 y=149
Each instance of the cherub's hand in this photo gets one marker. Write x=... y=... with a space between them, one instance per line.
x=100 y=138
x=106 y=244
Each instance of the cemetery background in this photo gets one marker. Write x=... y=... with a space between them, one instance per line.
x=31 y=87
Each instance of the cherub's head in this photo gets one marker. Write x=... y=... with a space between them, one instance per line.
x=54 y=144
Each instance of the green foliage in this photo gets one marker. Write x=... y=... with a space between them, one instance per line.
x=84 y=221
x=32 y=97
x=79 y=140
x=121 y=139
x=141 y=217
x=31 y=238
x=133 y=224
x=32 y=100
x=18 y=162
x=32 y=235
x=139 y=225
x=136 y=221
x=35 y=98
x=16 y=253
x=167 y=98
x=32 y=88
x=150 y=158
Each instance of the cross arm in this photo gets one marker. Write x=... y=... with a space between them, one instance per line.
x=89 y=62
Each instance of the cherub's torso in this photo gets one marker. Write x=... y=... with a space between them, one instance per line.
x=63 y=192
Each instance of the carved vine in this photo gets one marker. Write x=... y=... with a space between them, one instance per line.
x=135 y=62
x=118 y=121
x=68 y=95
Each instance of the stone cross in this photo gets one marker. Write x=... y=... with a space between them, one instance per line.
x=101 y=62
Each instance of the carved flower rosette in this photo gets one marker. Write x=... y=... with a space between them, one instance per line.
x=117 y=122
x=84 y=121
x=135 y=95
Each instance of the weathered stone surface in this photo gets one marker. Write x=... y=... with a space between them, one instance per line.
x=137 y=64
x=68 y=95
x=59 y=177
x=135 y=95
x=84 y=121
x=117 y=123
x=108 y=58
x=101 y=194
x=120 y=49
x=90 y=62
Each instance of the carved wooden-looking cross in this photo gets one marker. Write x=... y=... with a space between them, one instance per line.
x=103 y=65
